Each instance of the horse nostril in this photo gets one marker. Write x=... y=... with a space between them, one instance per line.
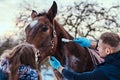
x=44 y=29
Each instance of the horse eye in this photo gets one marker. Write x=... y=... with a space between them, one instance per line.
x=44 y=29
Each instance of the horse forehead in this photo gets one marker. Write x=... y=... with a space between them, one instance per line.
x=39 y=20
x=33 y=23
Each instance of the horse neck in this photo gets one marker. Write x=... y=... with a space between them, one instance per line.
x=63 y=48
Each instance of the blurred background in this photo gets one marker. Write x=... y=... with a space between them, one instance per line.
x=88 y=18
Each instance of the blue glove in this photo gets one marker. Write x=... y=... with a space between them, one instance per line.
x=54 y=63
x=82 y=41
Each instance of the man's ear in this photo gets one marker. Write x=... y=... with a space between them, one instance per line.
x=108 y=50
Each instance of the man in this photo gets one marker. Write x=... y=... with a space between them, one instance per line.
x=109 y=49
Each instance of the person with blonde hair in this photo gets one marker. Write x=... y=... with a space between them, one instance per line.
x=21 y=64
x=109 y=49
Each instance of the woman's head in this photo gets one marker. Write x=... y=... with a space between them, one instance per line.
x=108 y=43
x=22 y=54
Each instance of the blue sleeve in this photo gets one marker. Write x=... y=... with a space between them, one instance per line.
x=93 y=75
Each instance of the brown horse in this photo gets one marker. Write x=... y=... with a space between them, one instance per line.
x=46 y=34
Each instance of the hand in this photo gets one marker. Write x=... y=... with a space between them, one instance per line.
x=54 y=63
x=82 y=41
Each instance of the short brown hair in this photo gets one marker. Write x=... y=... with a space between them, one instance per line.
x=111 y=39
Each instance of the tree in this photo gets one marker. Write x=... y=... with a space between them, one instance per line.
x=89 y=19
x=8 y=42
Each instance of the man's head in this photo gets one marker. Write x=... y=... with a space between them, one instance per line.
x=108 y=43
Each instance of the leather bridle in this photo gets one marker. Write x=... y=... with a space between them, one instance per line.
x=51 y=48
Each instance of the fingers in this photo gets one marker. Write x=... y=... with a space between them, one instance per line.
x=77 y=40
x=50 y=59
x=53 y=58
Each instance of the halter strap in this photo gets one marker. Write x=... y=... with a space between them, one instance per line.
x=53 y=44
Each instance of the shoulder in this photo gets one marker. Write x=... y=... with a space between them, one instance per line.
x=4 y=65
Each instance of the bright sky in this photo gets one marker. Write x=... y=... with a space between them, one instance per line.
x=9 y=9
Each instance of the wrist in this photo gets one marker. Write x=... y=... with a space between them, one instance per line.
x=60 y=69
x=58 y=66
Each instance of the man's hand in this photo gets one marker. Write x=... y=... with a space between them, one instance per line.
x=82 y=41
x=54 y=62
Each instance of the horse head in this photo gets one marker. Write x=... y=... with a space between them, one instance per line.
x=41 y=32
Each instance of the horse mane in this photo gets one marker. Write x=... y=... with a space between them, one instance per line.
x=61 y=31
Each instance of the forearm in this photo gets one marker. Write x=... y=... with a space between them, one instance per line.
x=71 y=75
x=67 y=74
x=93 y=75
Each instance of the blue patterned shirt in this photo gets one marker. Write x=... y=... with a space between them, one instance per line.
x=27 y=73
x=4 y=65
x=24 y=72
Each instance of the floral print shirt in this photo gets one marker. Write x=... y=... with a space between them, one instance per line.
x=24 y=72
x=27 y=73
x=4 y=65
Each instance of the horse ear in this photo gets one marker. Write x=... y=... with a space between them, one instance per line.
x=33 y=14
x=52 y=11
